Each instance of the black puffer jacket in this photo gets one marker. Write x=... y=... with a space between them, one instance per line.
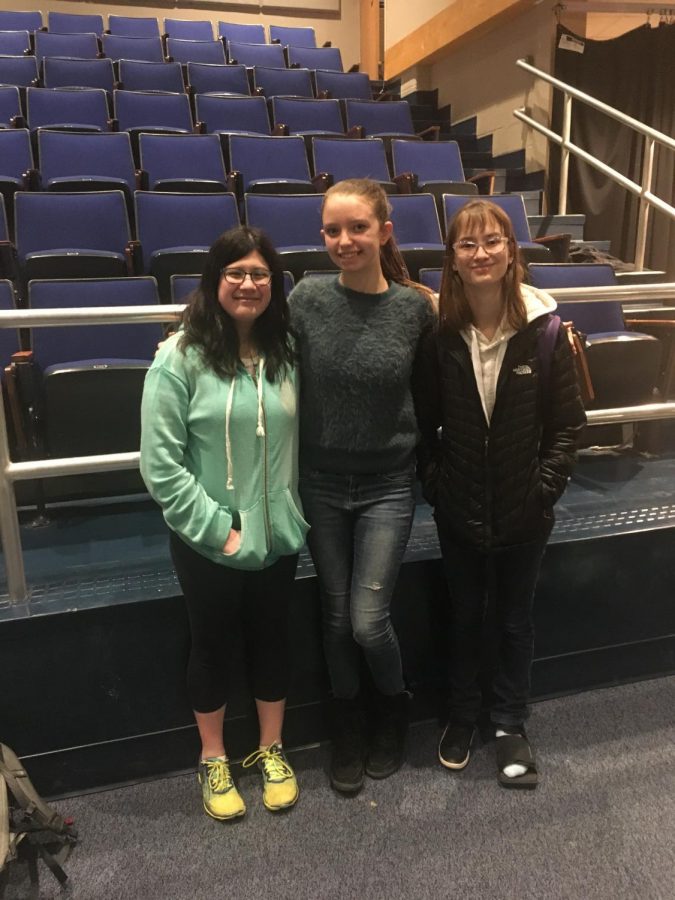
x=495 y=485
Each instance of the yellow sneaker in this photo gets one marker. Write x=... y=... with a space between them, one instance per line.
x=220 y=796
x=280 y=789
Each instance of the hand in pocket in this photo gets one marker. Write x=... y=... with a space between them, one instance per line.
x=232 y=543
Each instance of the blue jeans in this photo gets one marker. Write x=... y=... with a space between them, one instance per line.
x=360 y=528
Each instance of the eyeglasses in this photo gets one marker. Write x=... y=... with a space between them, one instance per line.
x=492 y=244
x=259 y=277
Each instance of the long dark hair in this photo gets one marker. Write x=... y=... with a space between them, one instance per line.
x=391 y=260
x=208 y=327
x=455 y=312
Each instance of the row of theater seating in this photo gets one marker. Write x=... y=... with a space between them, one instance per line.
x=76 y=391
x=43 y=44
x=89 y=233
x=65 y=160
x=140 y=26
x=179 y=77
x=86 y=109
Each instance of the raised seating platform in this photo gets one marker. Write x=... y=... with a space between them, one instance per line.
x=93 y=668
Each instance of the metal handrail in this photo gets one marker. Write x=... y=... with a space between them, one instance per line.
x=20 y=471
x=651 y=137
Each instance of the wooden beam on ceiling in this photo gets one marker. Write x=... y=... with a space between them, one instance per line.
x=457 y=24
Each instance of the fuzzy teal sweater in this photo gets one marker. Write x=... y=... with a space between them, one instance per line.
x=357 y=353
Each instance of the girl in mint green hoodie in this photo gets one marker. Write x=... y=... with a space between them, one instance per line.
x=219 y=455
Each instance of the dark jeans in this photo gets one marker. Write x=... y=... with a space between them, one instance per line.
x=360 y=526
x=218 y=598
x=509 y=576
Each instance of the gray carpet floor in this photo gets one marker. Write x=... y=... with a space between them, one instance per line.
x=600 y=825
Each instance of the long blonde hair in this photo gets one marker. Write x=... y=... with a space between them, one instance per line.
x=391 y=260
x=455 y=312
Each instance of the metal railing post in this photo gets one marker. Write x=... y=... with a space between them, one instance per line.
x=565 y=153
x=9 y=523
x=643 y=212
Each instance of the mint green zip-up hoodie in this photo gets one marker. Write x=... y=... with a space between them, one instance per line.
x=218 y=452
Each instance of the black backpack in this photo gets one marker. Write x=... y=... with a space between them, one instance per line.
x=30 y=829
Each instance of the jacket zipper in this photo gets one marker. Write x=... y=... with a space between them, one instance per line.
x=268 y=523
x=487 y=525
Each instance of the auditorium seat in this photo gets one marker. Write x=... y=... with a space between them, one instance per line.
x=74 y=46
x=82 y=73
x=343 y=85
x=133 y=26
x=293 y=222
x=148 y=49
x=256 y=54
x=204 y=78
x=14 y=43
x=86 y=162
x=232 y=114
x=17 y=169
x=7 y=251
x=140 y=75
x=292 y=35
x=74 y=23
x=624 y=364
x=181 y=286
x=188 y=29
x=299 y=115
x=10 y=105
x=187 y=163
x=185 y=51
x=68 y=109
x=386 y=120
x=417 y=231
x=315 y=58
x=75 y=235
x=80 y=387
x=151 y=112
x=14 y=20
x=175 y=231
x=268 y=165
x=9 y=337
x=435 y=167
x=552 y=248
x=340 y=159
x=21 y=71
x=244 y=33
x=272 y=82
x=431 y=278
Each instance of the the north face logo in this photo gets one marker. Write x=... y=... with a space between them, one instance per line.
x=522 y=370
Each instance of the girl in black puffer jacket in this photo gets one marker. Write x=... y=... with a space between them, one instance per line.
x=508 y=406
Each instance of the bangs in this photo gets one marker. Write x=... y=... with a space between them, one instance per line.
x=478 y=217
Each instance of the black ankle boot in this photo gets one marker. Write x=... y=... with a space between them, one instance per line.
x=348 y=750
x=387 y=744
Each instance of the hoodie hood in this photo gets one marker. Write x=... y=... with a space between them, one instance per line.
x=537 y=302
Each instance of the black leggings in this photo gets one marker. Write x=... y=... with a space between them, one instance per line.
x=216 y=597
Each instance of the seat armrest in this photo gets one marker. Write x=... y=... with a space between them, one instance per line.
x=281 y=129
x=558 y=244
x=488 y=176
x=322 y=181
x=134 y=258
x=8 y=262
x=430 y=134
x=356 y=131
x=406 y=182
x=235 y=184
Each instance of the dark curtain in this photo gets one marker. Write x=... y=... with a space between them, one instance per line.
x=634 y=73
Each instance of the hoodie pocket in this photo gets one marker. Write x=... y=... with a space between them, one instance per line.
x=253 y=546
x=288 y=526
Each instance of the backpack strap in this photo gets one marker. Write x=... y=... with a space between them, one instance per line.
x=25 y=794
x=545 y=347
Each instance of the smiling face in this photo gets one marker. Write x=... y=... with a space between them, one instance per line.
x=245 y=302
x=353 y=234
x=486 y=266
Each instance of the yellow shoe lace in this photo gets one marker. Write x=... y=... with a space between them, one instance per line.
x=272 y=763
x=218 y=775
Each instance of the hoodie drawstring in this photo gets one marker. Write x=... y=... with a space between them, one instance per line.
x=260 y=428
